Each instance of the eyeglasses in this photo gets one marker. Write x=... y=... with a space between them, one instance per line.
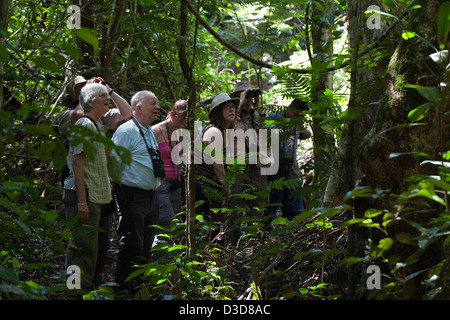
x=229 y=106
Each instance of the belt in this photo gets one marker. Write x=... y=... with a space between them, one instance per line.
x=136 y=189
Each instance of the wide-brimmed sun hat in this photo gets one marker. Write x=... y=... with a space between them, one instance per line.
x=240 y=86
x=73 y=83
x=221 y=99
x=78 y=80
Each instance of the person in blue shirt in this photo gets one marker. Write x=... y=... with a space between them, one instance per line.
x=291 y=201
x=134 y=194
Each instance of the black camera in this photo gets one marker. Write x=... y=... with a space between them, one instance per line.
x=99 y=80
x=252 y=93
x=158 y=163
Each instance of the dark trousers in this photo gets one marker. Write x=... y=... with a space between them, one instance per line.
x=103 y=247
x=135 y=207
x=291 y=202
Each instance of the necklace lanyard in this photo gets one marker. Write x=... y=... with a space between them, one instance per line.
x=143 y=137
x=85 y=116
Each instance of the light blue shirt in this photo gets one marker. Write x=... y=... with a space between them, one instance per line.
x=140 y=172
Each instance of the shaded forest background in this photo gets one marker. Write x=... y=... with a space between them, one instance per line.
x=376 y=171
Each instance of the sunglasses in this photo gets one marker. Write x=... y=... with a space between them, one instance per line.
x=180 y=115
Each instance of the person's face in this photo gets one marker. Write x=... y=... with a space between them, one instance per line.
x=245 y=108
x=149 y=109
x=179 y=119
x=229 y=112
x=101 y=104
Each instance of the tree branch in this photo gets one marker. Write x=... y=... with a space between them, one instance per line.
x=300 y=71
x=160 y=65
x=221 y=40
x=110 y=39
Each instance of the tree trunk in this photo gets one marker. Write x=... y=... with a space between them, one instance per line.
x=190 y=182
x=410 y=64
x=367 y=89
x=87 y=21
x=110 y=37
x=322 y=43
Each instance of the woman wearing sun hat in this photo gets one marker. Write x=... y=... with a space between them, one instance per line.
x=210 y=170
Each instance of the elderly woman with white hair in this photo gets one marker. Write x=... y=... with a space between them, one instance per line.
x=88 y=186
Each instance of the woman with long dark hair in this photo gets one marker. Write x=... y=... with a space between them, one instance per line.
x=209 y=174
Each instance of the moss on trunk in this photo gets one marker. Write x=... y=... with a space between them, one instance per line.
x=410 y=64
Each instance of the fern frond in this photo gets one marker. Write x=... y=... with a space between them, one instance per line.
x=280 y=183
x=297 y=85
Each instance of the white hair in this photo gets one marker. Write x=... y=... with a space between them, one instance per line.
x=139 y=97
x=90 y=92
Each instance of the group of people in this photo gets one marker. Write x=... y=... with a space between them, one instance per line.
x=242 y=110
x=150 y=188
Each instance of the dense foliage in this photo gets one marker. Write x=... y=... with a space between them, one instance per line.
x=322 y=51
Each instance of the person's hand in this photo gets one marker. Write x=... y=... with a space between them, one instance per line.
x=257 y=103
x=108 y=88
x=226 y=191
x=83 y=211
x=245 y=104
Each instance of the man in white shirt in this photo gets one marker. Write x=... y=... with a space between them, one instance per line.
x=135 y=192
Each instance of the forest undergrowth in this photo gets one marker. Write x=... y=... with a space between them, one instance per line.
x=323 y=254
x=291 y=260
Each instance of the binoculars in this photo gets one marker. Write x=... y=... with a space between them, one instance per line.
x=158 y=163
x=252 y=93
x=99 y=80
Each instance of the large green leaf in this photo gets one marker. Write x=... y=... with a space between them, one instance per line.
x=384 y=245
x=46 y=63
x=432 y=94
x=443 y=23
x=419 y=113
x=87 y=35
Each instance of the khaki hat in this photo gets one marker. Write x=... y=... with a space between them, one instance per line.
x=71 y=97
x=241 y=86
x=221 y=99
x=72 y=84
x=78 y=80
